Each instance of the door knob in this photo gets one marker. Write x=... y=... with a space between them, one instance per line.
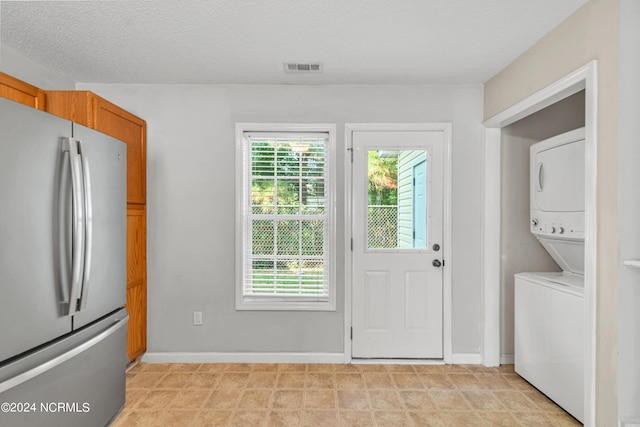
x=436 y=263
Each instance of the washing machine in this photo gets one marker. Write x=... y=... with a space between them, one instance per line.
x=549 y=306
x=549 y=337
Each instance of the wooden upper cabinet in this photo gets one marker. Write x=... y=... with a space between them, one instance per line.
x=114 y=121
x=88 y=109
x=19 y=91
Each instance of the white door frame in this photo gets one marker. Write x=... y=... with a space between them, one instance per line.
x=583 y=78
x=446 y=215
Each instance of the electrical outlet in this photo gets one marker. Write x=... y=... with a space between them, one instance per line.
x=197 y=318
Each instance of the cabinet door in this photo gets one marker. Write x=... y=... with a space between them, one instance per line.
x=19 y=91
x=136 y=281
x=113 y=120
x=74 y=105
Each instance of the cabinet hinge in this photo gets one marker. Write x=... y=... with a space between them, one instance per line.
x=351 y=150
x=352 y=244
x=352 y=333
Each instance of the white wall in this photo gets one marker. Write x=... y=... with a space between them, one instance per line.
x=191 y=205
x=520 y=250
x=628 y=213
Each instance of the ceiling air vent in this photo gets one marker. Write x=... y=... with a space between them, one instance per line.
x=303 y=67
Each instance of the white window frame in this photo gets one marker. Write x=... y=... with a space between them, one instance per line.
x=283 y=303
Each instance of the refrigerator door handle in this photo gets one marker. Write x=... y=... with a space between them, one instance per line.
x=52 y=363
x=88 y=212
x=78 y=241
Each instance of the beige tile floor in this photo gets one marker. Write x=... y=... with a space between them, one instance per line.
x=334 y=395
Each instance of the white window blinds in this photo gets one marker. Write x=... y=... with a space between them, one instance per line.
x=286 y=216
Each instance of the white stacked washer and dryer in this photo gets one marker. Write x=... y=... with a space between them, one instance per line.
x=549 y=306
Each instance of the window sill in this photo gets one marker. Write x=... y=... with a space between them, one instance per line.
x=283 y=305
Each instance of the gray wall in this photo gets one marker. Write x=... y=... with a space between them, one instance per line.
x=191 y=200
x=191 y=205
x=20 y=66
x=628 y=213
x=520 y=250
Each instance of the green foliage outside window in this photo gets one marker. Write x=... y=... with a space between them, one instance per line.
x=383 y=179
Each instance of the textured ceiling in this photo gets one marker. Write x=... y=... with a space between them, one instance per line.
x=246 y=41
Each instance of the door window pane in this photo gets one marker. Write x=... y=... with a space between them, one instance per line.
x=397 y=199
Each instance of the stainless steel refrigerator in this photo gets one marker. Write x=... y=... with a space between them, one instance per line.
x=62 y=271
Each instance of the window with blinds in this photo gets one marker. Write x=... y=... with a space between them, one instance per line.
x=286 y=219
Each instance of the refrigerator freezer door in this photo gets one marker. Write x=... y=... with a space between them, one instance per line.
x=34 y=266
x=78 y=381
x=104 y=285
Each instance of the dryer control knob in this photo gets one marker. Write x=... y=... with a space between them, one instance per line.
x=561 y=230
x=534 y=222
x=553 y=229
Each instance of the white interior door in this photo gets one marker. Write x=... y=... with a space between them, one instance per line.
x=397 y=297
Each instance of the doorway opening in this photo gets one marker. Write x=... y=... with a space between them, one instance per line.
x=581 y=80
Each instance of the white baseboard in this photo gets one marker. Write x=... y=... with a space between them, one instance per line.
x=465 y=359
x=507 y=359
x=205 y=357
x=183 y=357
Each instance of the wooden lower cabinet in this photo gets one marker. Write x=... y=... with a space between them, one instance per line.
x=136 y=280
